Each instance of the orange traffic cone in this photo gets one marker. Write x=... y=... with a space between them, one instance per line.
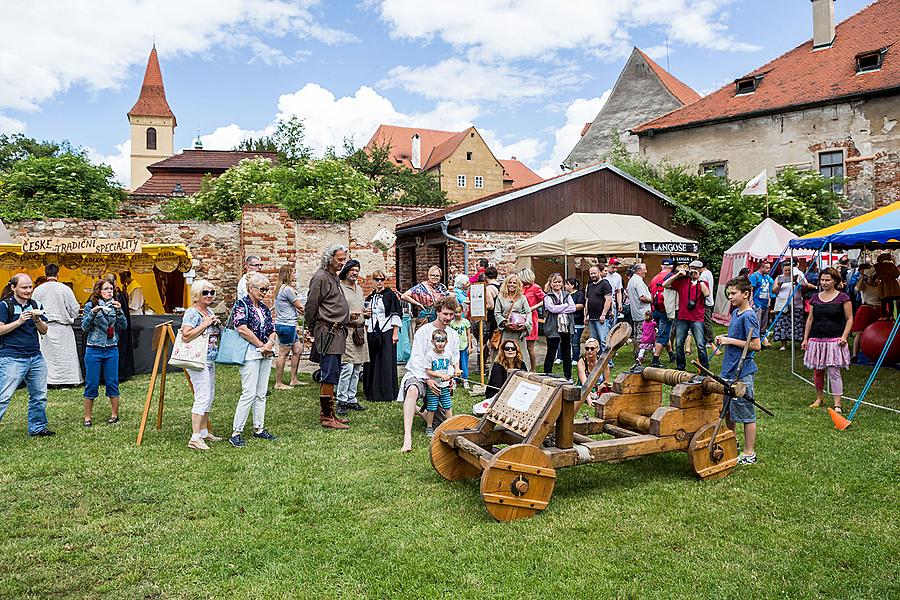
x=839 y=421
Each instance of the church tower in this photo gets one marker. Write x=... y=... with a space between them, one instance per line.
x=152 y=124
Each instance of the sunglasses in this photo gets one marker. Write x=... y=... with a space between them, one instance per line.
x=378 y=279
x=509 y=349
x=591 y=349
x=208 y=293
x=264 y=290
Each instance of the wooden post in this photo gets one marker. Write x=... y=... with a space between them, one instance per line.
x=481 y=347
x=163 y=335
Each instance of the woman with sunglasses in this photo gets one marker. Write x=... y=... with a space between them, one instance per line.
x=253 y=321
x=199 y=320
x=424 y=294
x=586 y=364
x=103 y=318
x=510 y=359
x=380 y=381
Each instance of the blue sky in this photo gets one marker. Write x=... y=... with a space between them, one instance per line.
x=527 y=73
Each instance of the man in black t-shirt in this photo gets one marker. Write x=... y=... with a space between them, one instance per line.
x=598 y=305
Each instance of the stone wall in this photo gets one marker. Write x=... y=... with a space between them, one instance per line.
x=866 y=130
x=268 y=232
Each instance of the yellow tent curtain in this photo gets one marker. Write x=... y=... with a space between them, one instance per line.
x=83 y=284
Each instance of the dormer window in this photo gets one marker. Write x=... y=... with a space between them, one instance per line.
x=870 y=61
x=746 y=85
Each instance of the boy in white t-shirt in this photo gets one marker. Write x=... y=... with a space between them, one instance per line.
x=442 y=367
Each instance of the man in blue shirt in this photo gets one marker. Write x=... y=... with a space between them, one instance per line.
x=743 y=322
x=21 y=319
x=762 y=284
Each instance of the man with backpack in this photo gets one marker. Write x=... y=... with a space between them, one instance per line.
x=21 y=319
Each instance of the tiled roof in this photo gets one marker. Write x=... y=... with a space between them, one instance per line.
x=206 y=161
x=442 y=151
x=162 y=184
x=804 y=77
x=152 y=101
x=519 y=174
x=680 y=90
x=400 y=140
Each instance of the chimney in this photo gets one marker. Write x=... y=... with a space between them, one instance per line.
x=416 y=151
x=823 y=23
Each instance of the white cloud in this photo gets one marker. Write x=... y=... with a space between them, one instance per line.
x=52 y=45
x=526 y=150
x=120 y=161
x=479 y=81
x=579 y=112
x=516 y=29
x=9 y=125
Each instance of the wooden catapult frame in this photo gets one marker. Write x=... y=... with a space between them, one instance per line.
x=531 y=430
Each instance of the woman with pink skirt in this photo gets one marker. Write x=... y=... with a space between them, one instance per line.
x=825 y=336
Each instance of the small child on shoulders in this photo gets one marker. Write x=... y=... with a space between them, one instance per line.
x=442 y=367
x=743 y=321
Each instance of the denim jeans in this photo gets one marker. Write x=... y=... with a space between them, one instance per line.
x=681 y=332
x=348 y=385
x=576 y=342
x=97 y=359
x=254 y=385
x=464 y=363
x=34 y=371
x=600 y=331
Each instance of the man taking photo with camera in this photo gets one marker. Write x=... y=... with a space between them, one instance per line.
x=692 y=293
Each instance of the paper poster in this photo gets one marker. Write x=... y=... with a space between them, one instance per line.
x=523 y=396
x=477 y=310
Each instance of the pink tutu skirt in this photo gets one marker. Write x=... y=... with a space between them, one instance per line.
x=822 y=352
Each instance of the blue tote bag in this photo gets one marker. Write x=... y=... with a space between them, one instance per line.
x=403 y=345
x=232 y=347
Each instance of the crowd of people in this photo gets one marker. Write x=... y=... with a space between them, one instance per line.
x=355 y=335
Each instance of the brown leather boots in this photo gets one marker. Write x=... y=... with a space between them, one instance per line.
x=327 y=417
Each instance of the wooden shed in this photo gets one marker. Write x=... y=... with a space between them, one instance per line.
x=490 y=227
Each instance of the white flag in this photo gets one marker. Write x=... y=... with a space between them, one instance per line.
x=758 y=186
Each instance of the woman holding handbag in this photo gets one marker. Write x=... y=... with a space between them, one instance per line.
x=253 y=321
x=512 y=312
x=200 y=324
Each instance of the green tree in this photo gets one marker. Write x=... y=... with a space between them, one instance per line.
x=393 y=183
x=327 y=189
x=16 y=147
x=288 y=140
x=801 y=201
x=64 y=185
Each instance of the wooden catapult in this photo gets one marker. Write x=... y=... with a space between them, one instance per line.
x=530 y=431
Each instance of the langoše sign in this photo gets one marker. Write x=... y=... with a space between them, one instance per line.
x=670 y=247
x=82 y=245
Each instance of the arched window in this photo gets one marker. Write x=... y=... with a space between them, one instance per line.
x=151 y=138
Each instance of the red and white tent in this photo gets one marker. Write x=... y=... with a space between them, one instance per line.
x=766 y=241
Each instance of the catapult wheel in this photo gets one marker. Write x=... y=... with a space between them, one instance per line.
x=444 y=458
x=517 y=483
x=718 y=463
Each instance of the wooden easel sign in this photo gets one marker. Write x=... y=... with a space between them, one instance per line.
x=163 y=339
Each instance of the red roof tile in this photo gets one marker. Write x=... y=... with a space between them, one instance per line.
x=206 y=161
x=519 y=174
x=162 y=184
x=680 y=90
x=400 y=140
x=803 y=77
x=152 y=101
x=442 y=151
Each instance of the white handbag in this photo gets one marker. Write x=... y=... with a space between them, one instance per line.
x=190 y=355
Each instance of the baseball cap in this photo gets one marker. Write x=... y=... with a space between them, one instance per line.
x=668 y=262
x=696 y=264
x=614 y=261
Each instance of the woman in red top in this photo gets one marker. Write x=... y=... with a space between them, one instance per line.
x=534 y=295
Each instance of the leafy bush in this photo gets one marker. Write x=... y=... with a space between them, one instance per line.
x=60 y=185
x=328 y=189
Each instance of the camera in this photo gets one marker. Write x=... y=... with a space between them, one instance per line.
x=692 y=304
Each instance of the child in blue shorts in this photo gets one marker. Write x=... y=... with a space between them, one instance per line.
x=743 y=321
x=443 y=364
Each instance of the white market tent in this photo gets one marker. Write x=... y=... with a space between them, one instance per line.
x=592 y=234
x=766 y=241
x=589 y=234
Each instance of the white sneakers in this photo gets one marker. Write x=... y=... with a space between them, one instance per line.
x=198 y=445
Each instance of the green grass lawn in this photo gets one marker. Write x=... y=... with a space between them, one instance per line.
x=321 y=514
